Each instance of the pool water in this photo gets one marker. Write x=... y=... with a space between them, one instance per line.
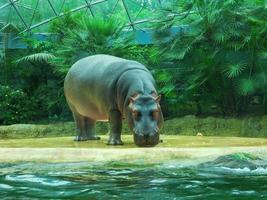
x=227 y=177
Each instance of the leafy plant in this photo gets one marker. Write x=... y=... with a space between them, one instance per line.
x=221 y=53
x=89 y=36
x=39 y=81
x=15 y=106
x=36 y=58
x=43 y=68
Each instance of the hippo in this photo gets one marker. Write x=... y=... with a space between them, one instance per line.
x=109 y=88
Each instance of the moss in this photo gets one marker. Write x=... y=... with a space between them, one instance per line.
x=248 y=126
x=238 y=159
x=36 y=131
x=245 y=156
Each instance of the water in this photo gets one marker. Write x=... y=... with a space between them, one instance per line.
x=227 y=177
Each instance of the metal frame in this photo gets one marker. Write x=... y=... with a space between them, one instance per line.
x=128 y=14
x=89 y=7
x=63 y=14
x=18 y=13
x=50 y=4
x=8 y=4
x=133 y=22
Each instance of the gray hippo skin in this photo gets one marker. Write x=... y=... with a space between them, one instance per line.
x=103 y=87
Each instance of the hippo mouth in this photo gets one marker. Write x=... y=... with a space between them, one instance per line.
x=146 y=140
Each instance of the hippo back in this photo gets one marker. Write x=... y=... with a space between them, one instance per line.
x=90 y=85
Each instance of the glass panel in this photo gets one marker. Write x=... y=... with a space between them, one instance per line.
x=101 y=9
x=141 y=10
x=27 y=9
x=13 y=18
x=68 y=5
x=42 y=15
x=121 y=14
x=59 y=5
x=4 y=12
x=3 y=2
x=37 y=13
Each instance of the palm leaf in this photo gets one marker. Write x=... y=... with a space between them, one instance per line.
x=260 y=80
x=263 y=55
x=37 y=57
x=220 y=36
x=234 y=70
x=246 y=87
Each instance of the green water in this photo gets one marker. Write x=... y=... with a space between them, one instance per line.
x=228 y=177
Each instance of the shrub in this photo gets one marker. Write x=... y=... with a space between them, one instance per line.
x=84 y=36
x=15 y=106
x=221 y=55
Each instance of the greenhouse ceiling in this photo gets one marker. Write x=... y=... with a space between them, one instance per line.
x=35 y=15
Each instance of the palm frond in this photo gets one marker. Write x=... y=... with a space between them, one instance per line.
x=36 y=58
x=260 y=80
x=234 y=70
x=220 y=36
x=246 y=87
x=263 y=55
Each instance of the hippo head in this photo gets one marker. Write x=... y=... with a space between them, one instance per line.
x=145 y=118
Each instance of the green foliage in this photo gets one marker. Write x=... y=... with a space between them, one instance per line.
x=51 y=101
x=220 y=53
x=40 y=70
x=234 y=70
x=244 y=156
x=88 y=36
x=15 y=105
x=31 y=72
x=36 y=57
x=165 y=83
x=218 y=59
x=141 y=54
x=2 y=57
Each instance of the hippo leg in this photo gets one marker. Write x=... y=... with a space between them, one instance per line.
x=115 y=121
x=85 y=128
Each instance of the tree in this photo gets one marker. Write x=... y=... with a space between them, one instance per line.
x=221 y=55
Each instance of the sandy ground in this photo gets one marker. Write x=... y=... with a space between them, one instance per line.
x=64 y=149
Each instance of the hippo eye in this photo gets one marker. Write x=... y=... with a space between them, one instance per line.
x=154 y=114
x=136 y=115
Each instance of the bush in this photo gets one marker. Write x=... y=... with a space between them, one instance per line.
x=84 y=36
x=220 y=56
x=15 y=106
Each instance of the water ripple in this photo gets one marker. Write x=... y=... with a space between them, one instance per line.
x=174 y=180
x=35 y=179
x=5 y=186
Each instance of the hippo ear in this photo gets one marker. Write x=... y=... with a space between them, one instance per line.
x=158 y=98
x=132 y=99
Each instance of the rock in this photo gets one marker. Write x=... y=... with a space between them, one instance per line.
x=199 y=134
